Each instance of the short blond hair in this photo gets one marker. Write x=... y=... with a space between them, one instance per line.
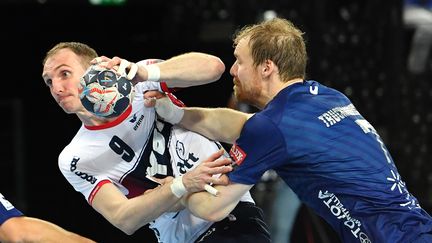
x=277 y=40
x=84 y=51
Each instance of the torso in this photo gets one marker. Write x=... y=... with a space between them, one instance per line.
x=335 y=161
x=132 y=147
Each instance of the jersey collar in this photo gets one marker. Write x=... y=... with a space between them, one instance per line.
x=113 y=123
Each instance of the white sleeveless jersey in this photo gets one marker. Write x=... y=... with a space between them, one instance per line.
x=128 y=149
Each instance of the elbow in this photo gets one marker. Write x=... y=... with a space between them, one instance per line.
x=212 y=216
x=127 y=229
x=124 y=225
x=218 y=68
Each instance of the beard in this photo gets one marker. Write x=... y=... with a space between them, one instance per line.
x=246 y=96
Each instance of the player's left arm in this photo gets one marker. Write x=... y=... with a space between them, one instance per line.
x=216 y=208
x=28 y=229
x=188 y=69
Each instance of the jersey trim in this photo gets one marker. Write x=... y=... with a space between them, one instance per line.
x=164 y=87
x=114 y=123
x=96 y=189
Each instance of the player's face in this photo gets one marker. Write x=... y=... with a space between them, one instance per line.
x=247 y=85
x=61 y=74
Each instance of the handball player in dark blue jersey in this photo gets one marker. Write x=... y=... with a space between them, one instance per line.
x=311 y=135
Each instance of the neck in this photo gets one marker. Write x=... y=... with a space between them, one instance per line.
x=290 y=82
x=273 y=89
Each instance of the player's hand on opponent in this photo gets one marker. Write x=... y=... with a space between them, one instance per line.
x=201 y=177
x=165 y=108
x=151 y=96
x=161 y=182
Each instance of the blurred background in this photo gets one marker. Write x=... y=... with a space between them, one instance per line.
x=358 y=47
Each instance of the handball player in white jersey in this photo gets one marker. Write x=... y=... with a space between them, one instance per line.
x=113 y=161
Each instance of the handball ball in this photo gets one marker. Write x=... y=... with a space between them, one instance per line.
x=104 y=93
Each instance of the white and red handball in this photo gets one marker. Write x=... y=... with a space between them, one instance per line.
x=104 y=93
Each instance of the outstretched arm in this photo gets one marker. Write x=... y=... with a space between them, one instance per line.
x=189 y=69
x=28 y=229
x=221 y=124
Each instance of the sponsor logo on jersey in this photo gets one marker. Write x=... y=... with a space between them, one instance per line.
x=340 y=212
x=82 y=175
x=186 y=161
x=237 y=154
x=137 y=125
x=313 y=90
x=133 y=119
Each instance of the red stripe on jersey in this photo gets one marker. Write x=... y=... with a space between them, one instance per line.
x=96 y=189
x=175 y=100
x=237 y=154
x=166 y=89
x=114 y=123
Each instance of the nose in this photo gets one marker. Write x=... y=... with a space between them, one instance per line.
x=233 y=69
x=57 y=87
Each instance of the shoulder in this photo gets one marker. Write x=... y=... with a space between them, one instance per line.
x=260 y=127
x=80 y=149
x=7 y=210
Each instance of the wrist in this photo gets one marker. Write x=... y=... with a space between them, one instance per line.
x=153 y=72
x=168 y=111
x=177 y=187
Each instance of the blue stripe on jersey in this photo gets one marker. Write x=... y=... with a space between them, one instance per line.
x=335 y=161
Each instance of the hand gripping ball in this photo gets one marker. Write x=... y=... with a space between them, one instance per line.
x=104 y=93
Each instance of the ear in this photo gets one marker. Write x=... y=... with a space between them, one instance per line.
x=268 y=67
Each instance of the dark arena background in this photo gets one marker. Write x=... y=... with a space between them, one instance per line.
x=357 y=47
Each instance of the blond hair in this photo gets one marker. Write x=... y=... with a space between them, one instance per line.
x=277 y=40
x=85 y=52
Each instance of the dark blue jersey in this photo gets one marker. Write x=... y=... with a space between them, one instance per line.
x=7 y=210
x=335 y=161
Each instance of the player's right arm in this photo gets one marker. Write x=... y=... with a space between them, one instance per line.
x=131 y=214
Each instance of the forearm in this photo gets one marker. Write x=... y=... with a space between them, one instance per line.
x=27 y=229
x=215 y=208
x=131 y=214
x=188 y=69
x=206 y=206
x=141 y=210
x=221 y=124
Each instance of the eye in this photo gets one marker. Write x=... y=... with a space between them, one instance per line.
x=65 y=74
